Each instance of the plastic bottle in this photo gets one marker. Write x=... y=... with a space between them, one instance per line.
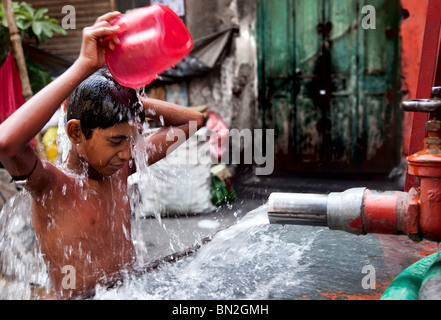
x=153 y=39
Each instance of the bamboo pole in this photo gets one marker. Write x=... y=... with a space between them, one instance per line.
x=17 y=49
x=112 y=5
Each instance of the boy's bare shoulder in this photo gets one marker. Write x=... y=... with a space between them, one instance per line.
x=46 y=177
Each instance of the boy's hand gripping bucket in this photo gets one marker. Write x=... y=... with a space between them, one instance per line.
x=153 y=39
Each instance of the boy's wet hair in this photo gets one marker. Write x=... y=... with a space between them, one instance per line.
x=101 y=102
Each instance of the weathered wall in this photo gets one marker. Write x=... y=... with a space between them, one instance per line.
x=230 y=91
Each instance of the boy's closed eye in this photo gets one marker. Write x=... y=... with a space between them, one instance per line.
x=116 y=141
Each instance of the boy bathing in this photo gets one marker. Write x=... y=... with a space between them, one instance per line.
x=81 y=211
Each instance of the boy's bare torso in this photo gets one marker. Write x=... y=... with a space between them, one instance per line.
x=83 y=226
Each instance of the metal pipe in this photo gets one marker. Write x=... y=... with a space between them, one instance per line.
x=344 y=211
x=297 y=208
x=336 y=210
x=358 y=211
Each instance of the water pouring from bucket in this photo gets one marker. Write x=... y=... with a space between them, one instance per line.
x=152 y=40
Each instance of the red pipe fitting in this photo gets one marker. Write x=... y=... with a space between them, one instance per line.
x=426 y=165
x=385 y=212
x=416 y=213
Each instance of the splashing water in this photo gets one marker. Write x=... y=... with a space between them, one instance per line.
x=255 y=260
x=63 y=143
x=20 y=259
x=245 y=261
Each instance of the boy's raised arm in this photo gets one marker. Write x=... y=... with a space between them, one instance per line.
x=176 y=119
x=171 y=114
x=29 y=119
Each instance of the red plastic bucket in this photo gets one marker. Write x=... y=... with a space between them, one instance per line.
x=153 y=39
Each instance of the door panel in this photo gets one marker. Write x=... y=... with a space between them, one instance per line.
x=327 y=87
x=276 y=56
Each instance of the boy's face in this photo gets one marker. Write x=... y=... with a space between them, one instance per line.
x=109 y=150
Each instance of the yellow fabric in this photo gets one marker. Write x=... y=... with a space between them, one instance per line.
x=50 y=141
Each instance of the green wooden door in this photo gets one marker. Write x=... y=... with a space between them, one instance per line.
x=327 y=86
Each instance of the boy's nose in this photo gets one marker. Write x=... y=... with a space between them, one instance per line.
x=124 y=154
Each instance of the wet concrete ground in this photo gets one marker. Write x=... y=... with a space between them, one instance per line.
x=176 y=233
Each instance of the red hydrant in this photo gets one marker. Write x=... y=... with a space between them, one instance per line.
x=416 y=213
x=426 y=165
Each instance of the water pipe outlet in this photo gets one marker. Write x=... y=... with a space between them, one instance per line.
x=359 y=211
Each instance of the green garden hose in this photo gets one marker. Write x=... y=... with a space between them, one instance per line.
x=407 y=285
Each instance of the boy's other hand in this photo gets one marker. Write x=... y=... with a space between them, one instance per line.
x=92 y=53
